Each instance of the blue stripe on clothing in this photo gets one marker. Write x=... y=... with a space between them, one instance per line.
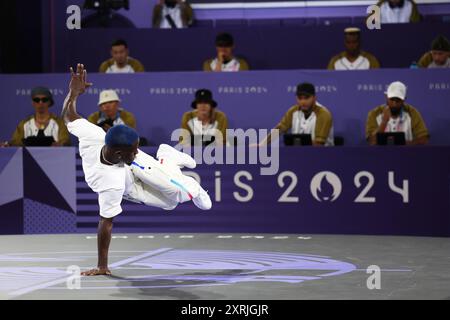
x=137 y=165
x=181 y=187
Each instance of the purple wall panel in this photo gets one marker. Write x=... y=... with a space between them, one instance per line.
x=323 y=200
x=40 y=218
x=266 y=212
x=34 y=200
x=269 y=47
x=141 y=11
x=255 y=99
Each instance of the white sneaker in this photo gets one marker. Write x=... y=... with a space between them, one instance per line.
x=202 y=201
x=181 y=159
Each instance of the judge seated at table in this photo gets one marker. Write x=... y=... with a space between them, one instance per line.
x=396 y=116
x=43 y=128
x=307 y=117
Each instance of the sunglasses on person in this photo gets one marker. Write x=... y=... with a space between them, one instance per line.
x=44 y=100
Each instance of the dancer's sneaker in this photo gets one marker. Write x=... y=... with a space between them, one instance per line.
x=202 y=201
x=179 y=158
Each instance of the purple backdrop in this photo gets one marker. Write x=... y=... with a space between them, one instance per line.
x=265 y=47
x=256 y=99
x=322 y=187
x=265 y=213
x=37 y=190
x=141 y=10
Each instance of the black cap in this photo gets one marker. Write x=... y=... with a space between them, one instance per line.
x=306 y=89
x=224 y=40
x=44 y=92
x=205 y=96
x=440 y=43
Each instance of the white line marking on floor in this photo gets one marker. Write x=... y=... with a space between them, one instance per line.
x=140 y=287
x=304 y=238
x=280 y=237
x=66 y=252
x=146 y=237
x=142 y=256
x=252 y=237
x=224 y=237
x=51 y=283
x=388 y=270
x=186 y=237
x=113 y=237
x=133 y=268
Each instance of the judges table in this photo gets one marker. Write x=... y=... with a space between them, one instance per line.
x=340 y=190
x=250 y=100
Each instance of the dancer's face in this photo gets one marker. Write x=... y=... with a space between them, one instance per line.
x=122 y=154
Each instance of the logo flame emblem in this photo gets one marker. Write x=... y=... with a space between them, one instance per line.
x=326 y=186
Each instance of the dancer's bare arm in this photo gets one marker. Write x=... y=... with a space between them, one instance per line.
x=105 y=227
x=78 y=85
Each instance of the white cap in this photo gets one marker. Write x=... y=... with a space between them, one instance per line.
x=396 y=90
x=352 y=30
x=108 y=96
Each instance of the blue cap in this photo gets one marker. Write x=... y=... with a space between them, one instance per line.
x=121 y=136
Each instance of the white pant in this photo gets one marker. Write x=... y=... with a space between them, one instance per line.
x=160 y=183
x=144 y=194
